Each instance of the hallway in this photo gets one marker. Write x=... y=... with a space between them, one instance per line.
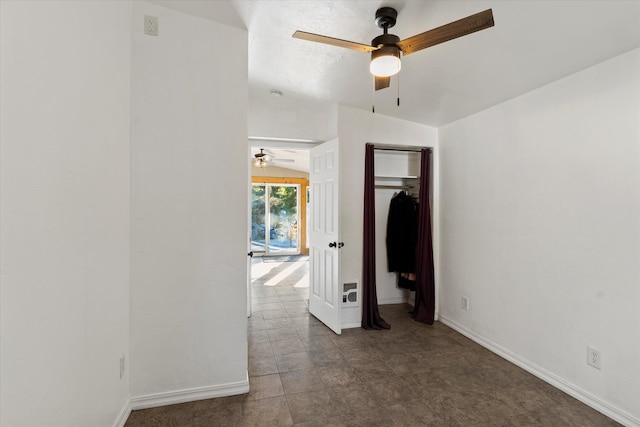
x=303 y=374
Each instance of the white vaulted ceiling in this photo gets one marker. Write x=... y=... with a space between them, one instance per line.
x=533 y=43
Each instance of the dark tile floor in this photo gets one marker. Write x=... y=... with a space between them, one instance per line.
x=303 y=374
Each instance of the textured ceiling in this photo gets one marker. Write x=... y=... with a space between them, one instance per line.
x=533 y=43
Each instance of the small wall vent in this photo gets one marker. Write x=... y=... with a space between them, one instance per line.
x=350 y=294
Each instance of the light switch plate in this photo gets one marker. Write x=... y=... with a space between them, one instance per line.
x=151 y=25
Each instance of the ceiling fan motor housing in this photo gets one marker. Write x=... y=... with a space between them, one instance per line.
x=385 y=40
x=386 y=17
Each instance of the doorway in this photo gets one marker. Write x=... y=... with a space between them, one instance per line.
x=324 y=297
x=277 y=231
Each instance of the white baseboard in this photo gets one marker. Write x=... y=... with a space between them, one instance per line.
x=392 y=300
x=571 y=389
x=189 y=395
x=124 y=415
x=351 y=325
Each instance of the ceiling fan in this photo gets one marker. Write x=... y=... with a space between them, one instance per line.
x=263 y=159
x=386 y=49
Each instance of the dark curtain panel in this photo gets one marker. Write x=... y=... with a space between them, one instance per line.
x=370 y=315
x=424 y=309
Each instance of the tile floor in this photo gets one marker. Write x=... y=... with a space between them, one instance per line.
x=303 y=374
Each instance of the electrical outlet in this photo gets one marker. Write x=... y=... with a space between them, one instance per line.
x=151 y=25
x=122 y=366
x=594 y=357
x=464 y=303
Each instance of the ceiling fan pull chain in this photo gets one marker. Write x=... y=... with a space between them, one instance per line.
x=373 y=97
x=398 y=89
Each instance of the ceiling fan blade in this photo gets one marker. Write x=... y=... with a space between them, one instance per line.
x=333 y=41
x=450 y=31
x=283 y=160
x=382 y=82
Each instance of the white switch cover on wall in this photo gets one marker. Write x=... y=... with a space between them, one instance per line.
x=151 y=25
x=594 y=357
x=464 y=303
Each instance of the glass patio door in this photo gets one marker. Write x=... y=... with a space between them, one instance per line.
x=274 y=219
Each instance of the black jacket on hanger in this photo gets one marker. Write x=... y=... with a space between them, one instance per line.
x=402 y=233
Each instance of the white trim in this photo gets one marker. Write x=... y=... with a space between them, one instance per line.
x=583 y=396
x=435 y=221
x=295 y=140
x=189 y=395
x=351 y=325
x=258 y=141
x=124 y=415
x=392 y=300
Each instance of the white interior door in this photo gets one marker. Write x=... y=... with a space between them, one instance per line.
x=249 y=250
x=324 y=268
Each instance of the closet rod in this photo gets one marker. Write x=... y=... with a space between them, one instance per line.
x=399 y=148
x=398 y=187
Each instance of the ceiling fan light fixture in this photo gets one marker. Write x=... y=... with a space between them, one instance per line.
x=261 y=162
x=385 y=61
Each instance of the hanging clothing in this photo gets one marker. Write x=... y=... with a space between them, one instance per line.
x=402 y=237
x=402 y=233
x=407 y=281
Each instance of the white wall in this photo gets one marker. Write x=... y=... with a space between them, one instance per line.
x=289 y=118
x=189 y=209
x=540 y=215
x=65 y=84
x=355 y=129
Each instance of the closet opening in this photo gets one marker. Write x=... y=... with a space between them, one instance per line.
x=397 y=218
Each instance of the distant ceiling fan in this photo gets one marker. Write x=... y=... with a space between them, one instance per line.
x=263 y=159
x=386 y=48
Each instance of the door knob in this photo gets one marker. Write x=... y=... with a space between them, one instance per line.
x=341 y=244
x=332 y=244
